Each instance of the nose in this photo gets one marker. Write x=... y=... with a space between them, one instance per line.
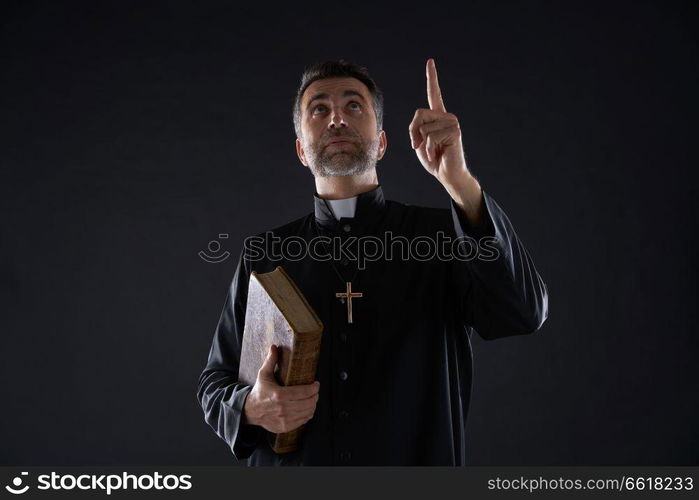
x=336 y=119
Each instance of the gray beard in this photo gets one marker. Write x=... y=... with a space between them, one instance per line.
x=343 y=163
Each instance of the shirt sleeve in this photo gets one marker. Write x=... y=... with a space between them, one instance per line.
x=220 y=395
x=499 y=291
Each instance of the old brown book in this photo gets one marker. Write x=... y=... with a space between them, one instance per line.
x=278 y=313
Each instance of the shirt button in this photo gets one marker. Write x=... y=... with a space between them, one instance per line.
x=344 y=375
x=346 y=228
x=344 y=414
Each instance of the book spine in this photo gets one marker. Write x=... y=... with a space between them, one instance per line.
x=303 y=364
x=288 y=441
x=304 y=360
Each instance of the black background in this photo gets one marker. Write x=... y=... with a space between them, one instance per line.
x=133 y=135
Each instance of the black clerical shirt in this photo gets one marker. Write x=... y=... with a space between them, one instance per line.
x=395 y=383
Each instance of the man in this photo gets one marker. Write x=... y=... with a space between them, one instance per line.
x=394 y=374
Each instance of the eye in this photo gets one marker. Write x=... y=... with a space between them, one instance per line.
x=356 y=104
x=319 y=106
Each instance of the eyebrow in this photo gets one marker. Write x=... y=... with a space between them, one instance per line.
x=346 y=93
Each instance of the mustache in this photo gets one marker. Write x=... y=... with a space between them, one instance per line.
x=329 y=137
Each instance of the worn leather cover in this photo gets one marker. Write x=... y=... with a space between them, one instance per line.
x=268 y=320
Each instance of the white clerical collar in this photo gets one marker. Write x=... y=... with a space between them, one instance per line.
x=344 y=207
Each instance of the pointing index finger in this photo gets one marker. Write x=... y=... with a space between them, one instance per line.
x=434 y=95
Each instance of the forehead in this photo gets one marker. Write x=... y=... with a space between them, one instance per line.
x=334 y=87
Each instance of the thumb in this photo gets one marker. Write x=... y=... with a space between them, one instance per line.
x=266 y=371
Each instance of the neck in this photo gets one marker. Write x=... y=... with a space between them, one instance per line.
x=339 y=187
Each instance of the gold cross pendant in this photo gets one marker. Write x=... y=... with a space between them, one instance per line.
x=349 y=296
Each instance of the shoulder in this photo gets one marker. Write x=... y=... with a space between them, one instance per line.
x=295 y=227
x=260 y=250
x=300 y=227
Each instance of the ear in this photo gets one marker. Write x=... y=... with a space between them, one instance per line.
x=300 y=153
x=383 y=144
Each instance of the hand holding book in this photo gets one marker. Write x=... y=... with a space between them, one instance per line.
x=277 y=408
x=281 y=329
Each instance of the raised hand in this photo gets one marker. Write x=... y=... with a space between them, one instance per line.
x=435 y=136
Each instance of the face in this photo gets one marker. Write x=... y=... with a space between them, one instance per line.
x=338 y=128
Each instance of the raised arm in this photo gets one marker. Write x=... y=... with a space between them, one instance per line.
x=499 y=292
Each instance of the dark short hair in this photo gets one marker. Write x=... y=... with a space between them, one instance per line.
x=338 y=69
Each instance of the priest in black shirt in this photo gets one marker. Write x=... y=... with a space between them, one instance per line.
x=400 y=289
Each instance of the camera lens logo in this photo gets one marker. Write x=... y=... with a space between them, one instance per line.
x=214 y=247
x=17 y=482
